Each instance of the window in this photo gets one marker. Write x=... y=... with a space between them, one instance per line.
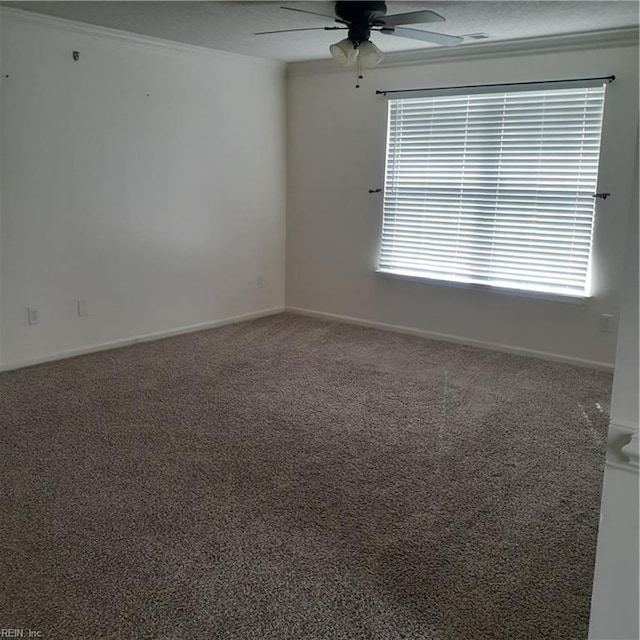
x=494 y=188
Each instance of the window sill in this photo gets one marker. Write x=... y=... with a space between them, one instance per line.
x=537 y=295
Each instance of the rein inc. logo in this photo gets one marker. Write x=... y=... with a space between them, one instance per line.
x=20 y=633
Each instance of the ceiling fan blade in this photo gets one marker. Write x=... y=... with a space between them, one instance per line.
x=425 y=36
x=263 y=33
x=415 y=17
x=314 y=13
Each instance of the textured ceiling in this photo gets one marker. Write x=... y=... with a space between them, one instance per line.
x=230 y=26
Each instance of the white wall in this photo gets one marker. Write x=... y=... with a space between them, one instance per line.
x=1 y=82
x=336 y=147
x=146 y=179
x=614 y=607
x=624 y=402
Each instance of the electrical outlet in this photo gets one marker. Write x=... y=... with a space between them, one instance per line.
x=606 y=323
x=33 y=317
x=260 y=282
x=83 y=312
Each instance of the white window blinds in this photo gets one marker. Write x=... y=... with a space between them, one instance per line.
x=493 y=188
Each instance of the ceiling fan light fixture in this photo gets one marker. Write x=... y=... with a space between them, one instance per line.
x=344 y=52
x=369 y=55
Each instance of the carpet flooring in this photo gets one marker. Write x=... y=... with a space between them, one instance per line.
x=295 y=479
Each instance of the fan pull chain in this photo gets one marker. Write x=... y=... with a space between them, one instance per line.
x=359 y=75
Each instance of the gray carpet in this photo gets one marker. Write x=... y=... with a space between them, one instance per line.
x=290 y=478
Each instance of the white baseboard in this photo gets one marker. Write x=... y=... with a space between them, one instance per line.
x=543 y=355
x=312 y=313
x=70 y=353
x=626 y=425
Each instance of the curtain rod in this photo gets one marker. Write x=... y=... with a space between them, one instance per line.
x=488 y=86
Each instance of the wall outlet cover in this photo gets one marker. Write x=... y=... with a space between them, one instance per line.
x=607 y=323
x=33 y=317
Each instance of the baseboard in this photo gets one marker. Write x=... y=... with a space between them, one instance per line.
x=543 y=355
x=60 y=355
x=625 y=425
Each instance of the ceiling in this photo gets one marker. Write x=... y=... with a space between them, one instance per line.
x=230 y=26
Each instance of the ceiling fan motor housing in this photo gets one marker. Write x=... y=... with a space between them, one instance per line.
x=360 y=16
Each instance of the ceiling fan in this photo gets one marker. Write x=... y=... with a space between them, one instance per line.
x=360 y=19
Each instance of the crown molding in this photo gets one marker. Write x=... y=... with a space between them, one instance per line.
x=611 y=38
x=126 y=37
x=623 y=37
